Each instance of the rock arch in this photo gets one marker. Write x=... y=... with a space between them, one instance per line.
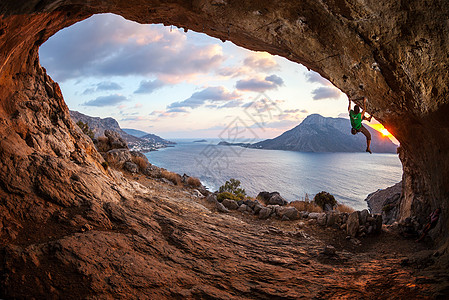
x=393 y=52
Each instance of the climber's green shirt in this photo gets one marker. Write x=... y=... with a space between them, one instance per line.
x=356 y=119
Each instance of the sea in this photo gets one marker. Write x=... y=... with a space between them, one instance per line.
x=350 y=177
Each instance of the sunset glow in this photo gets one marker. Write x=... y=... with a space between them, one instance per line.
x=379 y=127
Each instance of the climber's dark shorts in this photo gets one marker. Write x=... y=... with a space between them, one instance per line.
x=365 y=132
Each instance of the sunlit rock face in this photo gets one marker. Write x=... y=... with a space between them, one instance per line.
x=393 y=52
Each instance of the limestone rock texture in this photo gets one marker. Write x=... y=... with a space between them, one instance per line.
x=393 y=52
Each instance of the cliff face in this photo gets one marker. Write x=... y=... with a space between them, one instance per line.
x=319 y=134
x=393 y=52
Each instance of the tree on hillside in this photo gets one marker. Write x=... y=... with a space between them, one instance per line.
x=85 y=128
x=232 y=186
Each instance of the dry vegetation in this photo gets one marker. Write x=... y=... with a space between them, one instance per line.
x=193 y=181
x=141 y=162
x=173 y=177
x=102 y=144
x=344 y=208
x=305 y=206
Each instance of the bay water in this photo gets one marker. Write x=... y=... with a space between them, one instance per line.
x=350 y=177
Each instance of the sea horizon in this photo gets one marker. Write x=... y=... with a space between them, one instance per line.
x=349 y=176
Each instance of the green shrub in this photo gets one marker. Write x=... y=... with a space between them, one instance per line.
x=232 y=187
x=227 y=195
x=85 y=128
x=323 y=198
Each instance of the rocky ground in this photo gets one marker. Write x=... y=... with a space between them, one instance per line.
x=168 y=243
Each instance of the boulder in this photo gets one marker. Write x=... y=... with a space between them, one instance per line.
x=220 y=207
x=152 y=171
x=290 y=212
x=230 y=204
x=138 y=154
x=332 y=218
x=343 y=218
x=277 y=200
x=131 y=167
x=118 y=157
x=285 y=218
x=390 y=209
x=197 y=193
x=378 y=224
x=363 y=216
x=322 y=219
x=115 y=140
x=251 y=203
x=264 y=196
x=257 y=208
x=353 y=223
x=265 y=213
x=242 y=207
x=314 y=215
x=274 y=209
x=212 y=198
x=273 y=198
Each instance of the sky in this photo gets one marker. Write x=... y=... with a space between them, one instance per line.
x=176 y=84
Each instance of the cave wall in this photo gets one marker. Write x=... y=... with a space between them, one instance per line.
x=393 y=52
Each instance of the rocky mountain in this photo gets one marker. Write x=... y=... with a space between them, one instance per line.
x=155 y=139
x=145 y=143
x=135 y=132
x=319 y=134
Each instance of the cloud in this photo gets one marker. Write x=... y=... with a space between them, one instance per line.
x=177 y=110
x=291 y=111
x=315 y=77
x=89 y=91
x=233 y=71
x=106 y=100
x=275 y=79
x=256 y=62
x=103 y=86
x=211 y=94
x=135 y=118
x=147 y=87
x=326 y=93
x=108 y=86
x=171 y=113
x=232 y=103
x=260 y=85
x=108 y=45
x=261 y=62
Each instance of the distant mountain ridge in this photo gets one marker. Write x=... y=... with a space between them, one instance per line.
x=135 y=132
x=145 y=143
x=320 y=134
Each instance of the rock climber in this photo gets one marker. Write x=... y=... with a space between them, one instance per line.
x=433 y=220
x=356 y=122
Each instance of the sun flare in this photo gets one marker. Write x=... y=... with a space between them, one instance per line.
x=381 y=129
